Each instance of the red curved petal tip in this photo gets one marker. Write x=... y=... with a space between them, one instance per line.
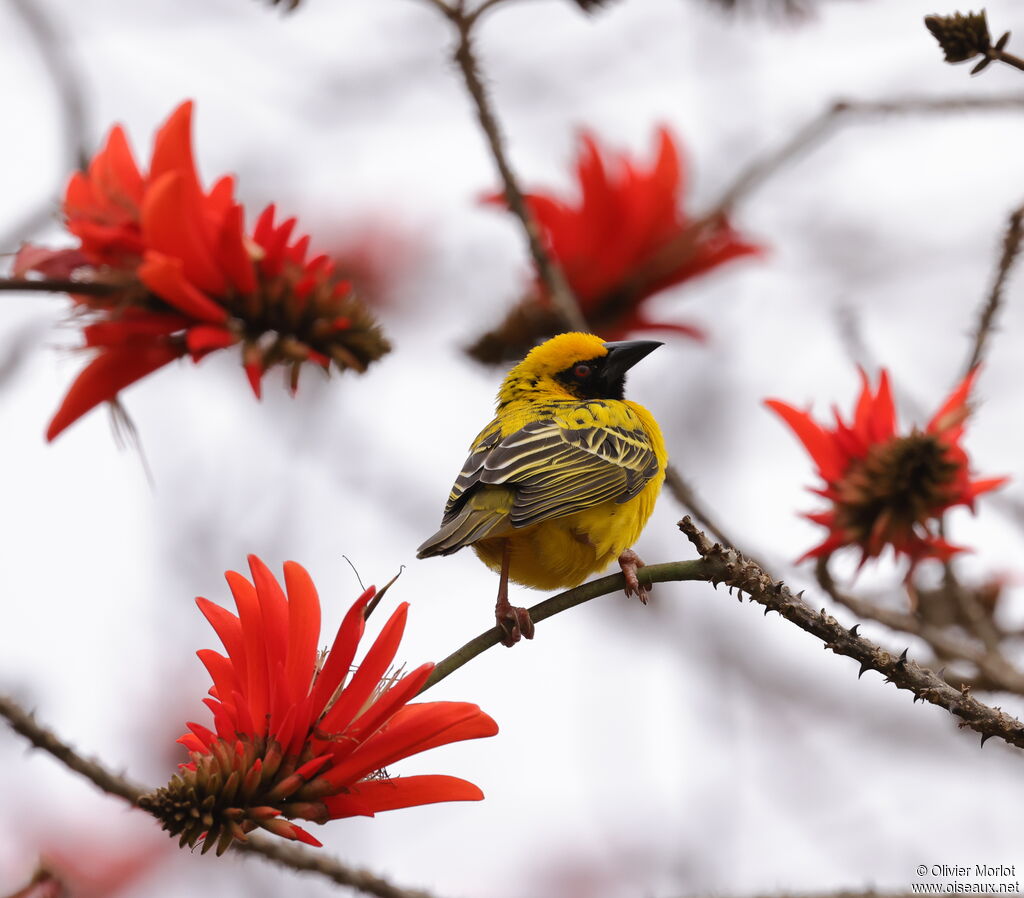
x=106 y=375
x=254 y=372
x=956 y=409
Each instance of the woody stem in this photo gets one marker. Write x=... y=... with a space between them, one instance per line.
x=58 y=285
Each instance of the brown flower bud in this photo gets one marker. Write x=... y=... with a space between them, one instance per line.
x=961 y=37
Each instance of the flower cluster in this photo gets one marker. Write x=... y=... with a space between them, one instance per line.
x=887 y=488
x=297 y=737
x=168 y=269
x=624 y=240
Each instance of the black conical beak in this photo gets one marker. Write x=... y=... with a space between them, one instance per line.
x=624 y=354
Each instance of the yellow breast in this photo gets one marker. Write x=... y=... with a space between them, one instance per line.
x=563 y=552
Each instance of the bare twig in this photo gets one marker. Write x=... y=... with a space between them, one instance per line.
x=1007 y=58
x=68 y=83
x=548 y=269
x=727 y=566
x=58 y=285
x=840 y=111
x=986 y=317
x=651 y=573
x=291 y=856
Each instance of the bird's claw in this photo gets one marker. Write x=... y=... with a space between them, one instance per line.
x=514 y=623
x=630 y=563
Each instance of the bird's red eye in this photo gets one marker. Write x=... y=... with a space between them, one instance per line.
x=581 y=371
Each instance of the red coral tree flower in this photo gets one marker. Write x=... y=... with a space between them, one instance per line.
x=166 y=269
x=300 y=738
x=888 y=489
x=625 y=239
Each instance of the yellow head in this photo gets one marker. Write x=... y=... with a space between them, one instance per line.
x=574 y=366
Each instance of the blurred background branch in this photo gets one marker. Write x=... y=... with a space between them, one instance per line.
x=547 y=268
x=987 y=313
x=68 y=83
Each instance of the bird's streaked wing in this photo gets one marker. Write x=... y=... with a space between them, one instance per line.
x=554 y=469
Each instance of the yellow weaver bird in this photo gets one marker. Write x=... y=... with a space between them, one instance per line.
x=564 y=478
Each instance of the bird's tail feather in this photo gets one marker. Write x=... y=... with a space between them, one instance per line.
x=462 y=530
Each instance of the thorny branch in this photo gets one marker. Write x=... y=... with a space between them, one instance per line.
x=720 y=564
x=995 y=672
x=291 y=856
x=986 y=317
x=724 y=565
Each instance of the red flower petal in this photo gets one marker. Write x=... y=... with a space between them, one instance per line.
x=123 y=330
x=172 y=149
x=232 y=254
x=388 y=704
x=949 y=418
x=814 y=438
x=627 y=238
x=105 y=376
x=303 y=628
x=376 y=663
x=257 y=680
x=223 y=673
x=405 y=792
x=116 y=176
x=165 y=276
x=204 y=338
x=173 y=226
x=52 y=263
x=273 y=611
x=414 y=729
x=343 y=651
x=228 y=629
x=882 y=421
x=254 y=373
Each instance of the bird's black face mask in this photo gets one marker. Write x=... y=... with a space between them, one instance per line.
x=605 y=377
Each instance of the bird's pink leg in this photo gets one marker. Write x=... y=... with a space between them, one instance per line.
x=513 y=622
x=630 y=563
